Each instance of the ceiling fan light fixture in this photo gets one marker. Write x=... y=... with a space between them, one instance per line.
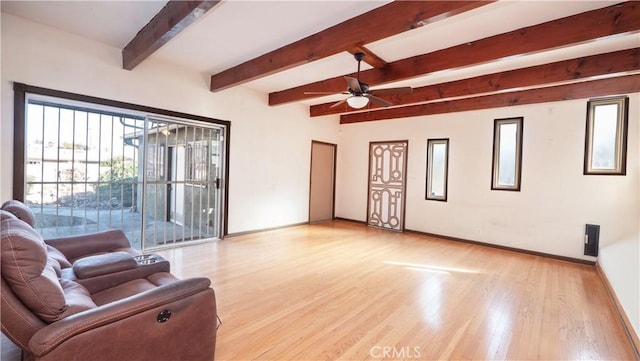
x=357 y=101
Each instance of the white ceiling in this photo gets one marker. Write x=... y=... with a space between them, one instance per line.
x=236 y=30
x=110 y=22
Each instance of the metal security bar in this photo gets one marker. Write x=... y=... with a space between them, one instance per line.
x=90 y=170
x=80 y=176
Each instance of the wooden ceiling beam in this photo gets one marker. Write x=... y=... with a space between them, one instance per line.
x=174 y=17
x=610 y=21
x=379 y=23
x=568 y=70
x=588 y=89
x=369 y=57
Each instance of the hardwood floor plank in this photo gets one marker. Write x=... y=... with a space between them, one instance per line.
x=344 y=291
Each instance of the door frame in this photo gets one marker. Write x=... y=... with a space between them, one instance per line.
x=333 y=181
x=174 y=184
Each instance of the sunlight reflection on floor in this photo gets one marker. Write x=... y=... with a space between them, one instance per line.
x=429 y=268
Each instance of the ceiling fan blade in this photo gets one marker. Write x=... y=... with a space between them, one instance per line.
x=378 y=101
x=354 y=84
x=385 y=91
x=338 y=103
x=324 y=93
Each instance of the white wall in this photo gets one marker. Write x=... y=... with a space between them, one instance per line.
x=548 y=214
x=270 y=146
x=620 y=259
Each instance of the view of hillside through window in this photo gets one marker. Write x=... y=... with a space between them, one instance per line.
x=79 y=168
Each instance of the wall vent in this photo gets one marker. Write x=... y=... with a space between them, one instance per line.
x=591 y=238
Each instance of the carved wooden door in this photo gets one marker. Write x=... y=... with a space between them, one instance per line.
x=387 y=181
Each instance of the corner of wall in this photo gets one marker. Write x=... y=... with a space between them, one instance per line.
x=631 y=331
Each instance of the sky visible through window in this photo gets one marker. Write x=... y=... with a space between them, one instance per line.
x=438 y=169
x=605 y=126
x=507 y=169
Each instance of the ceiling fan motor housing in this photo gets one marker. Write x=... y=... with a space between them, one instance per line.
x=364 y=87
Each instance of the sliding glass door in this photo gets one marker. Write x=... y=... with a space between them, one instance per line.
x=91 y=168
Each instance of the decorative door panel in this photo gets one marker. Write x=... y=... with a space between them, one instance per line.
x=387 y=180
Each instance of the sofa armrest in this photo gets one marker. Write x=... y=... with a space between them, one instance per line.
x=113 y=277
x=74 y=247
x=102 y=264
x=52 y=336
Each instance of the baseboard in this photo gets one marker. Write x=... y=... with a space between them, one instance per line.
x=626 y=324
x=236 y=234
x=350 y=220
x=505 y=248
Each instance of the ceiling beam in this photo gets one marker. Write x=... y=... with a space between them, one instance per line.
x=174 y=17
x=379 y=23
x=587 y=89
x=562 y=71
x=610 y=21
x=369 y=57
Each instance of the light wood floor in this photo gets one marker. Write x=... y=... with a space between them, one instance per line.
x=344 y=291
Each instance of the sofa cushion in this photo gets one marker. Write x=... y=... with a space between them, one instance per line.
x=55 y=265
x=133 y=287
x=58 y=256
x=77 y=298
x=26 y=268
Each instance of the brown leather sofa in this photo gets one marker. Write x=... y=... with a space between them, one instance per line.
x=144 y=315
x=75 y=247
x=95 y=260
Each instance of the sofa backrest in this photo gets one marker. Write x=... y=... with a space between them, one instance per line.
x=20 y=210
x=30 y=273
x=6 y=214
x=34 y=276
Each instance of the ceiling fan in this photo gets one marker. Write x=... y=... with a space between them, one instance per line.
x=360 y=94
